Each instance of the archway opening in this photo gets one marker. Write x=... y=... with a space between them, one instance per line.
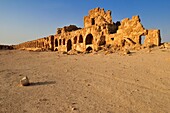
x=59 y=41
x=80 y=39
x=56 y=43
x=56 y=49
x=75 y=39
x=89 y=39
x=63 y=41
x=52 y=43
x=141 y=40
x=69 y=45
x=89 y=49
x=92 y=21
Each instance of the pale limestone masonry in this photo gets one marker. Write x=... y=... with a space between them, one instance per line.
x=99 y=30
x=149 y=37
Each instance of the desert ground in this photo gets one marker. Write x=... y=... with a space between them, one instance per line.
x=85 y=83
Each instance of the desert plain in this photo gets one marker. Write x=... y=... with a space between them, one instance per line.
x=85 y=83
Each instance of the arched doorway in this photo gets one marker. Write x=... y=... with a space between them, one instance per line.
x=75 y=39
x=56 y=43
x=63 y=41
x=69 y=45
x=56 y=49
x=80 y=39
x=52 y=43
x=89 y=39
x=59 y=41
x=89 y=49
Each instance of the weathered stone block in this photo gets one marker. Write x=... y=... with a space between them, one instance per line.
x=24 y=81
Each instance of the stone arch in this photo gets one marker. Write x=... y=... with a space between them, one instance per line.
x=75 y=39
x=56 y=43
x=52 y=42
x=59 y=41
x=89 y=49
x=69 y=45
x=56 y=49
x=89 y=39
x=64 y=41
x=80 y=39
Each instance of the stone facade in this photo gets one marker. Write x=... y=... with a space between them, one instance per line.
x=99 y=30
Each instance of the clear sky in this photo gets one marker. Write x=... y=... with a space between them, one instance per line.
x=24 y=20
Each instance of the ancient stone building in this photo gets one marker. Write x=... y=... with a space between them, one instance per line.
x=99 y=30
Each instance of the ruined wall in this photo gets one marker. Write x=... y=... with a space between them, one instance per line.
x=98 y=25
x=42 y=43
x=82 y=39
x=97 y=16
x=67 y=29
x=152 y=38
x=99 y=30
x=129 y=32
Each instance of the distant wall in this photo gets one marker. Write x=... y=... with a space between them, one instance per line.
x=42 y=43
x=6 y=47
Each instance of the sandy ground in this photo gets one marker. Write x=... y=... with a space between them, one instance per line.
x=89 y=83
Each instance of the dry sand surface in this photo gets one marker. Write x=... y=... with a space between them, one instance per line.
x=85 y=83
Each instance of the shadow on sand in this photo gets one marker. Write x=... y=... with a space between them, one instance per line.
x=42 y=83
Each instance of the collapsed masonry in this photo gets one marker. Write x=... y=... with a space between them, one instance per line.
x=99 y=30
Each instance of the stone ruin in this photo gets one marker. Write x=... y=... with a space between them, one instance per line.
x=6 y=47
x=99 y=31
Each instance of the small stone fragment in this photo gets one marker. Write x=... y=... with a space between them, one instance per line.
x=126 y=51
x=24 y=81
x=73 y=108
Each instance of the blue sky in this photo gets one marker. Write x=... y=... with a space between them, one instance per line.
x=24 y=20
